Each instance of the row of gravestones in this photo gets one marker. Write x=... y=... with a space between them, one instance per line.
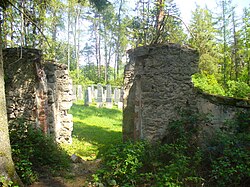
x=101 y=95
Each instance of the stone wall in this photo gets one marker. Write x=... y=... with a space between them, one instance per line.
x=158 y=86
x=38 y=92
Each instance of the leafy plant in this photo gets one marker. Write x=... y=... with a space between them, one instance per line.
x=32 y=150
x=6 y=183
x=207 y=83
x=229 y=153
x=238 y=89
x=180 y=160
x=176 y=162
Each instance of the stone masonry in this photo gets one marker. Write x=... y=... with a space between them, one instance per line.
x=158 y=85
x=38 y=92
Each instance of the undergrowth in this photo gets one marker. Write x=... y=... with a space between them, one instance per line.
x=32 y=152
x=181 y=160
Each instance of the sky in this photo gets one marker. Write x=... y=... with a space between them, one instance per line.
x=187 y=6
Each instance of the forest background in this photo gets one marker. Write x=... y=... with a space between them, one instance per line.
x=93 y=41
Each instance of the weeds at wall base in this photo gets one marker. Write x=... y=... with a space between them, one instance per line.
x=224 y=162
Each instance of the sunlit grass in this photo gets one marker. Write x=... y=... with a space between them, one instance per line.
x=94 y=130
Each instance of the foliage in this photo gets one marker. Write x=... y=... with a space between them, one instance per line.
x=207 y=83
x=135 y=164
x=238 y=89
x=78 y=78
x=5 y=183
x=32 y=150
x=180 y=160
x=229 y=153
x=117 y=82
x=223 y=43
x=148 y=28
x=169 y=164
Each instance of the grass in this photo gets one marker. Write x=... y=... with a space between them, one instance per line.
x=94 y=130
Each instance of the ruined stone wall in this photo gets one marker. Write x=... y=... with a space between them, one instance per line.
x=158 y=86
x=36 y=91
x=60 y=100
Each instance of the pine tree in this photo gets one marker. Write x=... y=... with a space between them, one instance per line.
x=204 y=40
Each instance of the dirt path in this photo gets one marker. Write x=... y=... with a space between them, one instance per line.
x=79 y=176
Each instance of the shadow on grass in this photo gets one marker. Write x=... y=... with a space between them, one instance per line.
x=97 y=128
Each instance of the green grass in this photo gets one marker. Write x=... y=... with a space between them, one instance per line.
x=94 y=130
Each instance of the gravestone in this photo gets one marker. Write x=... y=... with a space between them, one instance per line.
x=74 y=98
x=99 y=95
x=116 y=95
x=86 y=97
x=95 y=92
x=104 y=96
x=90 y=95
x=109 y=103
x=120 y=103
x=79 y=92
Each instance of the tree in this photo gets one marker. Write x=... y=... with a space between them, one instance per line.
x=204 y=40
x=7 y=168
x=108 y=32
x=246 y=45
x=157 y=22
x=235 y=48
x=225 y=37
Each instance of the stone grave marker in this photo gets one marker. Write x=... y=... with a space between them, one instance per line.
x=109 y=103
x=90 y=95
x=74 y=98
x=104 y=96
x=116 y=95
x=99 y=101
x=120 y=103
x=93 y=92
x=86 y=97
x=96 y=95
x=79 y=92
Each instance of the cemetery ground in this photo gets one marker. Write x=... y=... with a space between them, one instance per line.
x=94 y=130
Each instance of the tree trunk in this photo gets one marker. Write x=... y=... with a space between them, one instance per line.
x=97 y=45
x=224 y=45
x=105 y=53
x=118 y=45
x=7 y=169
x=160 y=14
x=235 y=48
x=77 y=38
x=68 y=45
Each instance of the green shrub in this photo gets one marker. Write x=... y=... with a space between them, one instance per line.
x=229 y=153
x=179 y=160
x=122 y=163
x=232 y=167
x=32 y=150
x=6 y=183
x=208 y=83
x=173 y=163
x=238 y=89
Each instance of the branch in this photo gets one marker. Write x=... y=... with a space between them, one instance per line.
x=39 y=29
x=161 y=27
x=183 y=24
